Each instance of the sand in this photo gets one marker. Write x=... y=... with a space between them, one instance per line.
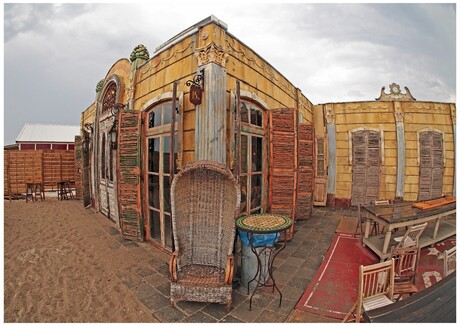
x=61 y=264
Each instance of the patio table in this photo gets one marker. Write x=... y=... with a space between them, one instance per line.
x=402 y=215
x=258 y=224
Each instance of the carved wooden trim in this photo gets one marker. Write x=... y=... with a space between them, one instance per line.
x=329 y=113
x=395 y=94
x=211 y=53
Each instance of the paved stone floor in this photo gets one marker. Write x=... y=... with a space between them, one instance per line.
x=295 y=266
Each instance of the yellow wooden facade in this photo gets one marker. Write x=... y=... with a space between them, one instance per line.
x=208 y=48
x=415 y=116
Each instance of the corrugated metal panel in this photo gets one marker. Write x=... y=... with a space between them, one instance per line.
x=32 y=132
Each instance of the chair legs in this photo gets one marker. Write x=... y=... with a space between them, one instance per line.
x=348 y=315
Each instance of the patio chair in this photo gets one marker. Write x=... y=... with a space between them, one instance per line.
x=375 y=227
x=411 y=237
x=375 y=288
x=205 y=199
x=406 y=265
x=449 y=260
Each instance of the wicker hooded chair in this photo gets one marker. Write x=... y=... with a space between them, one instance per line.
x=205 y=199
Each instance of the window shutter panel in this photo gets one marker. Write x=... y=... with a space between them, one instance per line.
x=129 y=174
x=283 y=163
x=78 y=167
x=306 y=175
x=366 y=167
x=431 y=165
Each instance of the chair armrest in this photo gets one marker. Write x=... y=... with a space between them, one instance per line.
x=173 y=266
x=229 y=270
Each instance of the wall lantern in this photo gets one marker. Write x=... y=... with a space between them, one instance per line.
x=196 y=88
x=89 y=127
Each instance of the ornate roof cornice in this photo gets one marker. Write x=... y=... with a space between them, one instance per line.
x=395 y=94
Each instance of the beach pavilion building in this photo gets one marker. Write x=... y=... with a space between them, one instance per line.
x=204 y=94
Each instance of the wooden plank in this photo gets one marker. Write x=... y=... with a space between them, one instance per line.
x=435 y=202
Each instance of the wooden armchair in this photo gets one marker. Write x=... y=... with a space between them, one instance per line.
x=205 y=199
x=406 y=265
x=449 y=260
x=411 y=237
x=375 y=288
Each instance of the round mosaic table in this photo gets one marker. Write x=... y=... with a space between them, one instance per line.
x=258 y=224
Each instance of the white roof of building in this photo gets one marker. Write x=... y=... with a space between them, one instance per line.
x=33 y=132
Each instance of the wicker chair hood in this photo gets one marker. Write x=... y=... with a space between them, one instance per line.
x=205 y=200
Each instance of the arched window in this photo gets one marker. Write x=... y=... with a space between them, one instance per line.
x=109 y=97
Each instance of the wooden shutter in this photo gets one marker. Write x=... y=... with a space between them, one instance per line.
x=283 y=163
x=78 y=166
x=306 y=175
x=366 y=166
x=431 y=165
x=320 y=188
x=129 y=174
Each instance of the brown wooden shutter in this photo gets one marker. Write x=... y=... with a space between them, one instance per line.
x=283 y=163
x=78 y=167
x=306 y=175
x=366 y=166
x=129 y=174
x=320 y=188
x=431 y=165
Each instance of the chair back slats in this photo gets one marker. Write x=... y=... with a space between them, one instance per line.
x=450 y=261
x=406 y=263
x=205 y=199
x=376 y=279
x=412 y=236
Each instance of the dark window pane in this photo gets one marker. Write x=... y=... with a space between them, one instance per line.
x=155 y=231
x=256 y=117
x=152 y=119
x=167 y=194
x=256 y=153
x=256 y=191
x=166 y=150
x=154 y=191
x=244 y=154
x=244 y=113
x=154 y=155
x=167 y=113
x=244 y=192
x=168 y=231
x=176 y=150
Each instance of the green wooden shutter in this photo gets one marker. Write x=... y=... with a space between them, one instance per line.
x=129 y=174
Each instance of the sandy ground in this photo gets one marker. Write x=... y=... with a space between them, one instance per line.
x=66 y=267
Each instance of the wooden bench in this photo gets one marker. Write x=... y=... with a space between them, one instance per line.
x=434 y=304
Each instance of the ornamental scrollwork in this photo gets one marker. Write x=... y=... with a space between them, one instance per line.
x=211 y=53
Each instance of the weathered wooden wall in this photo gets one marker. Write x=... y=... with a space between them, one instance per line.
x=37 y=166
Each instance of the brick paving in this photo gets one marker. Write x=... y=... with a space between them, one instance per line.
x=294 y=267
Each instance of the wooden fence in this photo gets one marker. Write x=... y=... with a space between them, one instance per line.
x=38 y=166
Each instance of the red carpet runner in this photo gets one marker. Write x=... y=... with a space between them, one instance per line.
x=333 y=290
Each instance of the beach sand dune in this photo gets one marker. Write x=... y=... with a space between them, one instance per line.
x=65 y=263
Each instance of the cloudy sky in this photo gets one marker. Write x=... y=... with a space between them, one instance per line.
x=55 y=54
